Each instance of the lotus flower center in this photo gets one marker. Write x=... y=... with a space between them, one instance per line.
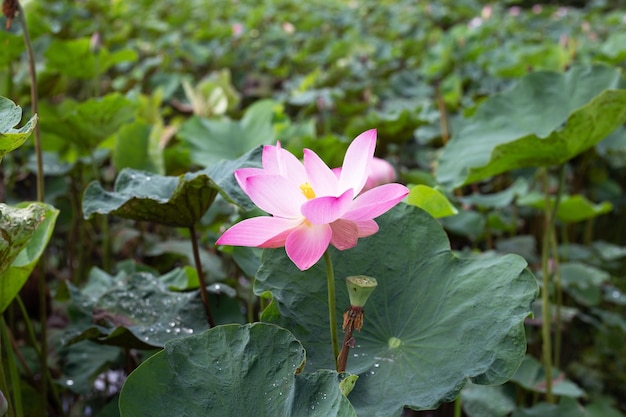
x=307 y=190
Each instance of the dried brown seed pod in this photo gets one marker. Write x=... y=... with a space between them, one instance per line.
x=9 y=8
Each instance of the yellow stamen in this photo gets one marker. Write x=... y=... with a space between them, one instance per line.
x=307 y=190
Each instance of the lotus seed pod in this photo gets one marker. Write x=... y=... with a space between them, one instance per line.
x=359 y=289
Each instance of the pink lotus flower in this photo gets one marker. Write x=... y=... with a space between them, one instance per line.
x=237 y=29
x=312 y=207
x=380 y=172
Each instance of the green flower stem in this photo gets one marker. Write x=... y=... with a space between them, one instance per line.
x=15 y=393
x=545 y=293
x=443 y=114
x=103 y=223
x=4 y=387
x=37 y=349
x=558 y=290
x=360 y=287
x=203 y=292
x=250 y=308
x=545 y=327
x=107 y=258
x=458 y=407
x=33 y=99
x=34 y=96
x=557 y=272
x=546 y=311
x=332 y=311
x=9 y=80
x=588 y=232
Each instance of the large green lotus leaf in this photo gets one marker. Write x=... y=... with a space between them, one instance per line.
x=433 y=321
x=488 y=401
x=138 y=146
x=613 y=148
x=174 y=201
x=572 y=208
x=499 y=199
x=17 y=227
x=138 y=195
x=546 y=119
x=212 y=140
x=43 y=217
x=577 y=208
x=513 y=59
x=583 y=282
x=602 y=407
x=531 y=376
x=523 y=245
x=212 y=264
x=232 y=370
x=614 y=48
x=11 y=115
x=83 y=362
x=88 y=123
x=77 y=58
x=432 y=201
x=607 y=251
x=177 y=279
x=222 y=175
x=466 y=223
x=139 y=311
x=566 y=407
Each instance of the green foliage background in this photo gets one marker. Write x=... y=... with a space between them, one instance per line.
x=469 y=98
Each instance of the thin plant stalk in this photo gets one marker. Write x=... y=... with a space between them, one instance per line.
x=351 y=318
x=81 y=231
x=9 y=80
x=332 y=311
x=203 y=292
x=251 y=303
x=33 y=340
x=514 y=218
x=43 y=332
x=18 y=354
x=74 y=249
x=545 y=332
x=565 y=241
x=558 y=290
x=342 y=361
x=263 y=304
x=557 y=273
x=104 y=225
x=250 y=308
x=457 y=406
x=443 y=117
x=360 y=287
x=588 y=232
x=103 y=221
x=34 y=95
x=4 y=385
x=488 y=236
x=34 y=100
x=550 y=213
x=545 y=293
x=107 y=258
x=16 y=392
